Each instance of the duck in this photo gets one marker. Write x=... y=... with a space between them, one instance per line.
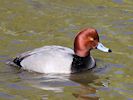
x=60 y=59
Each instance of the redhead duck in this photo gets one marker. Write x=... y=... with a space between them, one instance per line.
x=59 y=59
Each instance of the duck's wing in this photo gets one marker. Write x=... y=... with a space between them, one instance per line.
x=17 y=60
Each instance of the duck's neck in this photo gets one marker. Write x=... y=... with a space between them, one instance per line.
x=79 y=63
x=82 y=53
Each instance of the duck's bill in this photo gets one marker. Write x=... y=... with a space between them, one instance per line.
x=101 y=47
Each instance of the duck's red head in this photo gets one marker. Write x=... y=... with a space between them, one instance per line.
x=86 y=40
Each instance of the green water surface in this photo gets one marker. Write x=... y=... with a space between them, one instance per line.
x=28 y=24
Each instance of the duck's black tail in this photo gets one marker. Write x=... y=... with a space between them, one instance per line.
x=17 y=61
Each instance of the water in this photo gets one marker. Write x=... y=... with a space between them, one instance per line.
x=28 y=24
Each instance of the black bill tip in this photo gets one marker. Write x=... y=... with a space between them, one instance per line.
x=109 y=50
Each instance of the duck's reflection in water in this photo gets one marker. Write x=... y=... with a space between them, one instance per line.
x=78 y=84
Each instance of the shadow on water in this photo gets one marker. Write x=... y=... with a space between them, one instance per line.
x=58 y=83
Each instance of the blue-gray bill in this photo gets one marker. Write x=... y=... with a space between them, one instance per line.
x=101 y=47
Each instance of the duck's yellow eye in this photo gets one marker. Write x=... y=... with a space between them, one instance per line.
x=91 y=39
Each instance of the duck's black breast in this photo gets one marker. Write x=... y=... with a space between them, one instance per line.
x=80 y=63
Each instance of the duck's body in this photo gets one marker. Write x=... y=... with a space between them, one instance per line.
x=44 y=60
x=59 y=59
